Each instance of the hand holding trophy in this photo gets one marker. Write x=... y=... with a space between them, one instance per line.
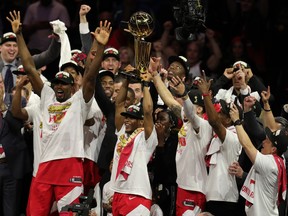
x=140 y=25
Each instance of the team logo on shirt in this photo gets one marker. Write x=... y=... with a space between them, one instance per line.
x=57 y=113
x=182 y=136
x=181 y=140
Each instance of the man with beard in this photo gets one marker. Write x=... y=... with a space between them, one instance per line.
x=60 y=172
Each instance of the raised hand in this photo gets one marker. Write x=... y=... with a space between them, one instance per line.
x=84 y=10
x=102 y=33
x=266 y=95
x=14 y=20
x=160 y=130
x=164 y=74
x=177 y=84
x=234 y=112
x=146 y=77
x=203 y=84
x=24 y=80
x=168 y=25
x=249 y=102
x=154 y=65
x=129 y=68
x=229 y=73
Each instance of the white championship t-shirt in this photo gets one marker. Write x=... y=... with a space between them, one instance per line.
x=62 y=135
x=35 y=116
x=221 y=186
x=190 y=162
x=138 y=180
x=94 y=135
x=262 y=185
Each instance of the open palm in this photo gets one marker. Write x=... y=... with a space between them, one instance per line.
x=14 y=20
x=102 y=33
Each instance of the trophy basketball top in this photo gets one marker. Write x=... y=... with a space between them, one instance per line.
x=141 y=24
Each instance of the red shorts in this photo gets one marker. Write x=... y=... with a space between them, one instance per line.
x=189 y=201
x=130 y=205
x=91 y=175
x=42 y=195
x=53 y=211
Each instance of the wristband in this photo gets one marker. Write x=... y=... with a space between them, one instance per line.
x=145 y=83
x=205 y=95
x=267 y=110
x=238 y=122
x=184 y=93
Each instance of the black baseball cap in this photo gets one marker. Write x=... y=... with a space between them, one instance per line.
x=9 y=36
x=196 y=97
x=63 y=76
x=225 y=108
x=111 y=52
x=19 y=71
x=134 y=111
x=72 y=64
x=103 y=73
x=279 y=139
x=182 y=60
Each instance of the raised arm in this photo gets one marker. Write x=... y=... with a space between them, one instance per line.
x=162 y=90
x=16 y=108
x=120 y=104
x=213 y=118
x=49 y=55
x=101 y=35
x=85 y=35
x=244 y=139
x=189 y=108
x=267 y=114
x=254 y=130
x=25 y=55
x=147 y=106
x=214 y=60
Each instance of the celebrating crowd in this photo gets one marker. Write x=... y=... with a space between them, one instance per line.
x=176 y=139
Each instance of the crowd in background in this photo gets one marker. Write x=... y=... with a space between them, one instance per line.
x=262 y=24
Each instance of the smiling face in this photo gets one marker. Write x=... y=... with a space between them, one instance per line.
x=9 y=51
x=111 y=64
x=108 y=85
x=131 y=124
x=62 y=91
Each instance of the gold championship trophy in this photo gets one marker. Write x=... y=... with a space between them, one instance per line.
x=140 y=25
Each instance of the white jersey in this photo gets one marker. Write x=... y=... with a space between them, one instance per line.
x=138 y=180
x=62 y=125
x=33 y=99
x=221 y=186
x=35 y=116
x=262 y=185
x=190 y=162
x=93 y=135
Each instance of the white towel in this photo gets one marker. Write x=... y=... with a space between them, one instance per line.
x=59 y=28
